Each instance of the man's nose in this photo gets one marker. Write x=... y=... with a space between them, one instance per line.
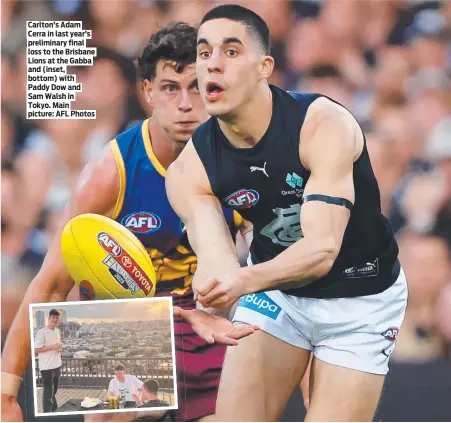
x=185 y=104
x=215 y=63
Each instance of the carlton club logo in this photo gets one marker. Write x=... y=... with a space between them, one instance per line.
x=242 y=199
x=142 y=222
x=109 y=244
x=391 y=333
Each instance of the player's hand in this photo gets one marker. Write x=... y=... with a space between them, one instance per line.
x=137 y=399
x=221 y=291
x=214 y=328
x=11 y=411
x=57 y=346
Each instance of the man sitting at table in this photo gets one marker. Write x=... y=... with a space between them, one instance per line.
x=123 y=385
x=149 y=395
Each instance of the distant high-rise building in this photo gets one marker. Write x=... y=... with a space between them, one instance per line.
x=40 y=319
x=64 y=316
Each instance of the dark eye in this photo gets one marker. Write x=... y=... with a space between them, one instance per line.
x=231 y=53
x=204 y=54
x=170 y=88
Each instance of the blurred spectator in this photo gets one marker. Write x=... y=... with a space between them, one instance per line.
x=391 y=74
x=123 y=26
x=328 y=80
x=189 y=11
x=427 y=263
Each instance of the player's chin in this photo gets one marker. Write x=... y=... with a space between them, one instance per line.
x=218 y=109
x=182 y=138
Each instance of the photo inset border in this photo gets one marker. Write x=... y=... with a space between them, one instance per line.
x=85 y=308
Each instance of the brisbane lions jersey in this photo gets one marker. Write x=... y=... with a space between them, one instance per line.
x=143 y=208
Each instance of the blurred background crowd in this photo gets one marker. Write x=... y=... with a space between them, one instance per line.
x=389 y=62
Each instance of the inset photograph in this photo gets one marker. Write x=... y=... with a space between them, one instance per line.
x=103 y=356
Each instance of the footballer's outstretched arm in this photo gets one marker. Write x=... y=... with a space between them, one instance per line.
x=190 y=195
x=96 y=192
x=331 y=142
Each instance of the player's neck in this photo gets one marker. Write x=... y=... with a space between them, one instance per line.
x=51 y=327
x=243 y=128
x=166 y=150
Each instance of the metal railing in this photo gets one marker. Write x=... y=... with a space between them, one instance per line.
x=97 y=372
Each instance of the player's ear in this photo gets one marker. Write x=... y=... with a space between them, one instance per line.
x=148 y=92
x=267 y=66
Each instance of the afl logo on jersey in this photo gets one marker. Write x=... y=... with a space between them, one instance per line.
x=242 y=199
x=142 y=222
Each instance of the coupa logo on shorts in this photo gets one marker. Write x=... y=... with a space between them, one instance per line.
x=142 y=222
x=391 y=333
x=242 y=199
x=260 y=303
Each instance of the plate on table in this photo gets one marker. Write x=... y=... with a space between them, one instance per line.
x=90 y=402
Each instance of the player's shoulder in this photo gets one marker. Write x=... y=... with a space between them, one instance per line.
x=326 y=111
x=318 y=104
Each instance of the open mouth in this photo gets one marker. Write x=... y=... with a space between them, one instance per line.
x=214 y=90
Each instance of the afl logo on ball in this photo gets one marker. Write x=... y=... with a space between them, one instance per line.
x=142 y=222
x=242 y=199
x=391 y=334
x=109 y=244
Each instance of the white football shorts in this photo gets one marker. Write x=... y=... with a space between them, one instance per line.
x=357 y=333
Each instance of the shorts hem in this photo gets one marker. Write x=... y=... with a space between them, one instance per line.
x=349 y=364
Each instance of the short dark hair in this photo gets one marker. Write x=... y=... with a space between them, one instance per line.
x=119 y=367
x=255 y=25
x=175 y=42
x=54 y=312
x=151 y=385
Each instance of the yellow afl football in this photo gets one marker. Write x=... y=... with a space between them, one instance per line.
x=106 y=259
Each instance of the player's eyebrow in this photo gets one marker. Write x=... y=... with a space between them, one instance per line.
x=227 y=40
x=231 y=40
x=168 y=81
x=202 y=41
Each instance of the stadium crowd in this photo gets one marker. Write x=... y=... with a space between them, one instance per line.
x=389 y=62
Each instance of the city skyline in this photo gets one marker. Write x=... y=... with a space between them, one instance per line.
x=109 y=312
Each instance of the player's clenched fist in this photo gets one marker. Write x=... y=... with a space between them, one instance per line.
x=223 y=290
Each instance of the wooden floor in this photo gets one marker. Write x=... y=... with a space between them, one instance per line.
x=65 y=394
